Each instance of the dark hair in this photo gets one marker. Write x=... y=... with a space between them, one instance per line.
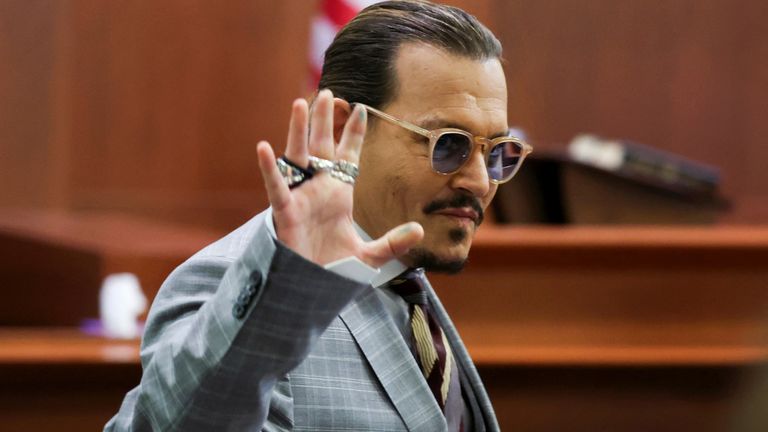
x=359 y=64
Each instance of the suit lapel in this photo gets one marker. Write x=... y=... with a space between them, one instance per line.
x=392 y=362
x=489 y=422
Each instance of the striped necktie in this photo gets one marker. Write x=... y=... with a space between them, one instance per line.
x=432 y=350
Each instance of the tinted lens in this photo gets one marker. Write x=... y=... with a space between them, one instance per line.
x=504 y=159
x=450 y=152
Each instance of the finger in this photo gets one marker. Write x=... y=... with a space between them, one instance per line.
x=393 y=244
x=277 y=191
x=296 y=147
x=353 y=135
x=321 y=126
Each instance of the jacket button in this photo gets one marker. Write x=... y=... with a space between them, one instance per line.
x=238 y=310
x=244 y=297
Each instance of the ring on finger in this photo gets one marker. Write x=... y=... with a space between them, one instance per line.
x=318 y=164
x=346 y=178
x=293 y=174
x=347 y=167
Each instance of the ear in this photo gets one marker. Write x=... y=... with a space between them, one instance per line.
x=341 y=112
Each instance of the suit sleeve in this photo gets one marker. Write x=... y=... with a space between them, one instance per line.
x=222 y=336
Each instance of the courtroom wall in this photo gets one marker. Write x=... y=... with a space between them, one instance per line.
x=154 y=108
x=688 y=76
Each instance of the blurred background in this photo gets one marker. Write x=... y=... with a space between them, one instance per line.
x=127 y=142
x=154 y=108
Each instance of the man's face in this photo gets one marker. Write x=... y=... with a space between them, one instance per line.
x=396 y=183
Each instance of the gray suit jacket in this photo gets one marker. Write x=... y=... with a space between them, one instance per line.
x=247 y=335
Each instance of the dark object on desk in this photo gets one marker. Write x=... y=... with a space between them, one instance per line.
x=610 y=182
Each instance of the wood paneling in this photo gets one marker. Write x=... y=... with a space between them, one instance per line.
x=27 y=54
x=155 y=108
x=626 y=399
x=686 y=76
x=617 y=329
x=149 y=108
x=608 y=295
x=53 y=264
x=59 y=379
x=152 y=108
x=579 y=329
x=175 y=96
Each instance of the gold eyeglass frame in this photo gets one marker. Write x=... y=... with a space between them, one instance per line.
x=434 y=135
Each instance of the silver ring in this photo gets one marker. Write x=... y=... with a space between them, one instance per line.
x=318 y=164
x=291 y=175
x=347 y=168
x=346 y=178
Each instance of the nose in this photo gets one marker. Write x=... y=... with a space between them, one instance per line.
x=473 y=176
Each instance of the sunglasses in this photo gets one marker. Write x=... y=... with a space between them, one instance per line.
x=450 y=149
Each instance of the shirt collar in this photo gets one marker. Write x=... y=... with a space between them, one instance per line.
x=388 y=271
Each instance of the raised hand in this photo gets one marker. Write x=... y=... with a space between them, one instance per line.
x=315 y=219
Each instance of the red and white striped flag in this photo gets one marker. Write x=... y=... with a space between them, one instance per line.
x=332 y=16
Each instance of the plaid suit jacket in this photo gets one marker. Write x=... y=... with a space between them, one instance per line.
x=247 y=335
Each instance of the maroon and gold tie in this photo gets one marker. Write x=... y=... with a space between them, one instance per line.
x=432 y=350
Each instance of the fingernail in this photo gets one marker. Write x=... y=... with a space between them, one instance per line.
x=363 y=113
x=407 y=229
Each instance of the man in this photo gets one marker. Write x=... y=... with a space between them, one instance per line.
x=294 y=321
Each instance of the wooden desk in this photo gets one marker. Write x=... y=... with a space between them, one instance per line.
x=52 y=264
x=59 y=379
x=574 y=329
x=629 y=295
x=615 y=329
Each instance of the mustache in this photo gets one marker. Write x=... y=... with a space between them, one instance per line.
x=459 y=200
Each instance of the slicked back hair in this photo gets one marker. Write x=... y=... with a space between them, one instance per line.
x=359 y=65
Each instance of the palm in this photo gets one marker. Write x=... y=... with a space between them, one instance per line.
x=328 y=204
x=315 y=219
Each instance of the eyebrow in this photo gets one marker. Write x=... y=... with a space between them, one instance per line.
x=433 y=123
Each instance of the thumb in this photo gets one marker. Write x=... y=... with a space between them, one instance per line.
x=393 y=244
